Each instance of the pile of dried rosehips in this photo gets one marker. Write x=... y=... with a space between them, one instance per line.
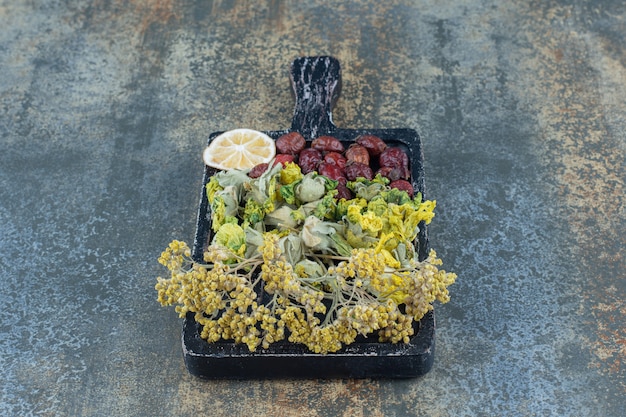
x=367 y=156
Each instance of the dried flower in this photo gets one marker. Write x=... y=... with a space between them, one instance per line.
x=326 y=270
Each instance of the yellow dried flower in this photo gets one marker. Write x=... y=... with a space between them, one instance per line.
x=326 y=298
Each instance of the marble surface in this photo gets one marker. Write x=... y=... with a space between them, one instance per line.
x=105 y=107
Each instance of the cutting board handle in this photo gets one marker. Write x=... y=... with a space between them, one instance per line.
x=316 y=83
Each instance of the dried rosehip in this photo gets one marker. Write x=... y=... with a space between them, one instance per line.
x=402 y=185
x=395 y=157
x=374 y=145
x=282 y=159
x=335 y=158
x=343 y=192
x=357 y=169
x=309 y=159
x=291 y=143
x=331 y=171
x=393 y=173
x=327 y=144
x=258 y=170
x=358 y=153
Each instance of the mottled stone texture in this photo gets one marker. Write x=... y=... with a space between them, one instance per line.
x=105 y=107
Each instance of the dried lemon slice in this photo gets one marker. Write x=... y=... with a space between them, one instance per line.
x=239 y=149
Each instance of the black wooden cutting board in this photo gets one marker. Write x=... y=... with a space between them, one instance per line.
x=316 y=84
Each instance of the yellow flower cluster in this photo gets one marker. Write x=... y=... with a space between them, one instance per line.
x=399 y=330
x=367 y=263
x=391 y=285
x=358 y=295
x=221 y=297
x=427 y=284
x=173 y=257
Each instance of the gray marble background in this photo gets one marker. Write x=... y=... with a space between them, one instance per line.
x=105 y=107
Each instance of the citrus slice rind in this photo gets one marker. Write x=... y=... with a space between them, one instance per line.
x=239 y=149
